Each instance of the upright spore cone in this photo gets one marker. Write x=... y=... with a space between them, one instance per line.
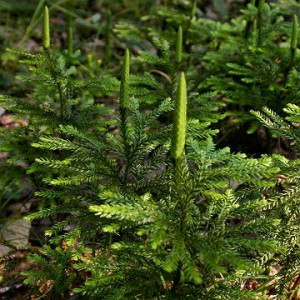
x=46 y=29
x=193 y=10
x=124 y=90
x=179 y=123
x=70 y=36
x=294 y=40
x=179 y=46
x=261 y=4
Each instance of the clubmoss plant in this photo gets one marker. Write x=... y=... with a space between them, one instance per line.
x=55 y=268
x=177 y=244
x=253 y=64
x=147 y=207
x=55 y=97
x=286 y=202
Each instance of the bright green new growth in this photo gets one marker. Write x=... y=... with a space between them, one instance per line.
x=46 y=29
x=294 y=33
x=179 y=46
x=124 y=90
x=179 y=123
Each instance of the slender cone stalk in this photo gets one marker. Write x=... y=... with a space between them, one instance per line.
x=179 y=123
x=294 y=40
x=179 y=46
x=46 y=29
x=124 y=90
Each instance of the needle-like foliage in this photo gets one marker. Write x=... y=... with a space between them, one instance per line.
x=144 y=204
x=286 y=203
